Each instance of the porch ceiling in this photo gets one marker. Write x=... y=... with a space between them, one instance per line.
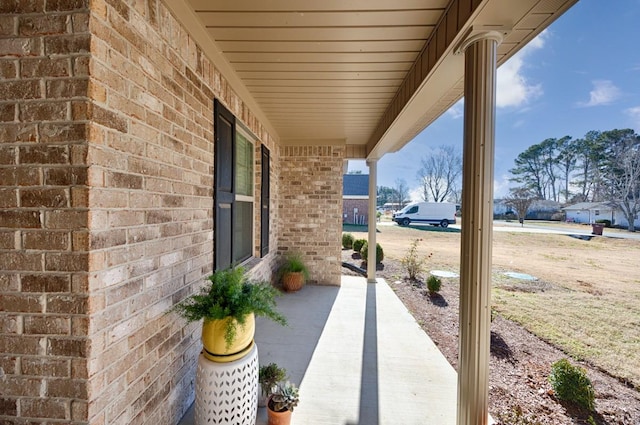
x=370 y=74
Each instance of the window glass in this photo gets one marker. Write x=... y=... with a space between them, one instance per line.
x=244 y=165
x=413 y=210
x=242 y=231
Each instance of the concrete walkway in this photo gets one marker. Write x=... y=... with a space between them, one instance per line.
x=359 y=357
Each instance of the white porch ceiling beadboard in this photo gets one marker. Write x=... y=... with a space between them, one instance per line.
x=358 y=72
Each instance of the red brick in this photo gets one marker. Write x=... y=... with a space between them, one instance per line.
x=18 y=132
x=63 y=132
x=46 y=240
x=70 y=262
x=29 y=89
x=42 y=25
x=42 y=111
x=47 y=325
x=8 y=406
x=20 y=47
x=67 y=5
x=45 y=67
x=108 y=118
x=66 y=219
x=67 y=88
x=19 y=344
x=7 y=25
x=22 y=303
x=44 y=198
x=42 y=366
x=8 y=69
x=67 y=304
x=67 y=347
x=7 y=112
x=8 y=198
x=67 y=44
x=21 y=261
x=43 y=155
x=67 y=388
x=45 y=283
x=7 y=155
x=21 y=6
x=65 y=176
x=43 y=408
x=81 y=66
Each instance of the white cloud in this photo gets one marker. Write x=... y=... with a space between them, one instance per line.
x=513 y=89
x=604 y=92
x=501 y=186
x=416 y=194
x=457 y=110
x=634 y=113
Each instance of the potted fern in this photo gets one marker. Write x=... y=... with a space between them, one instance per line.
x=281 y=404
x=293 y=273
x=228 y=305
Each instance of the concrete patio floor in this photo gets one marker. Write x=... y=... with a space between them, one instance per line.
x=359 y=357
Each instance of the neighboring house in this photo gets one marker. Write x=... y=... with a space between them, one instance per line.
x=146 y=143
x=589 y=212
x=355 y=198
x=620 y=220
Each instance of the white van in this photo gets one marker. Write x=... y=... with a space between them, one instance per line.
x=435 y=213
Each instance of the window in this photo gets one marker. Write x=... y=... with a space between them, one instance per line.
x=233 y=191
x=413 y=210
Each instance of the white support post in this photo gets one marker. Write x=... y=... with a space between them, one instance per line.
x=477 y=227
x=373 y=192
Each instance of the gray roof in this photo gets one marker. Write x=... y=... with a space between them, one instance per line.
x=586 y=206
x=355 y=185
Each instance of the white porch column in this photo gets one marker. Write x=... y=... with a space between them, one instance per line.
x=373 y=192
x=477 y=227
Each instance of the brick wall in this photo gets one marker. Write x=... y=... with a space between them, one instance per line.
x=43 y=210
x=363 y=211
x=106 y=218
x=310 y=208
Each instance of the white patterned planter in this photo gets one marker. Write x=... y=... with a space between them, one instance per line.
x=227 y=393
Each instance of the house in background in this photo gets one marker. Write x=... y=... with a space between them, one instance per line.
x=355 y=198
x=146 y=143
x=589 y=212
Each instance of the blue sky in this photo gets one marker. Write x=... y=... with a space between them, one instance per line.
x=581 y=74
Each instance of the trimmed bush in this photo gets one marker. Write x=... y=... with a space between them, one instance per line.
x=571 y=383
x=607 y=223
x=347 y=240
x=364 y=252
x=358 y=244
x=434 y=284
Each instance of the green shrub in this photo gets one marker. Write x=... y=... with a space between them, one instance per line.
x=571 y=383
x=347 y=240
x=607 y=223
x=358 y=244
x=412 y=262
x=434 y=284
x=364 y=252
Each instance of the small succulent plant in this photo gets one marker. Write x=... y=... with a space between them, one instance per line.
x=284 y=398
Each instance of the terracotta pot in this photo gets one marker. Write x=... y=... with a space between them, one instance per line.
x=215 y=347
x=292 y=281
x=278 y=418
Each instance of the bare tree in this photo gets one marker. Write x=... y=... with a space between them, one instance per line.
x=401 y=192
x=520 y=199
x=439 y=173
x=622 y=176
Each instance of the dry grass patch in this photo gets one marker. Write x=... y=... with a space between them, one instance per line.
x=586 y=300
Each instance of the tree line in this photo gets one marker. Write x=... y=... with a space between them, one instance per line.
x=602 y=166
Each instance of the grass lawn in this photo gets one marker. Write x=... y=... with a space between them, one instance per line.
x=586 y=299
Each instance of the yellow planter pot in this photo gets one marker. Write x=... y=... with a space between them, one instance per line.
x=215 y=347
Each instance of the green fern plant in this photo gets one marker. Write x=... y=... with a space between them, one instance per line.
x=230 y=294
